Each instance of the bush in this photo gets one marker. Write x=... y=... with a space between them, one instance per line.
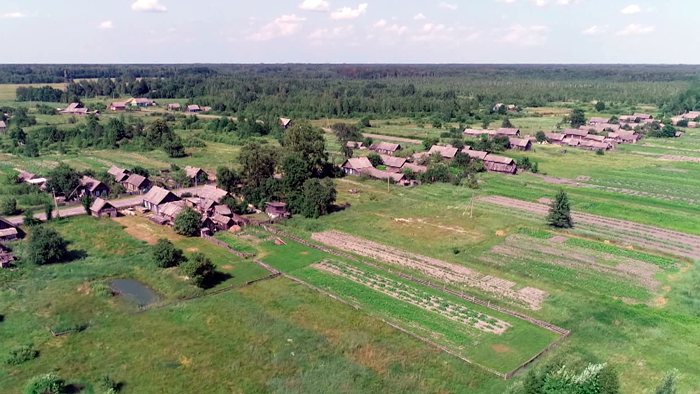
x=8 y=206
x=48 y=383
x=30 y=220
x=102 y=290
x=166 y=255
x=375 y=159
x=46 y=246
x=600 y=152
x=108 y=385
x=198 y=269
x=21 y=355
x=188 y=223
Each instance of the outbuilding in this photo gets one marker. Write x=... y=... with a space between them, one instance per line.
x=102 y=208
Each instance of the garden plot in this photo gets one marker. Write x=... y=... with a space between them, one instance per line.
x=442 y=270
x=404 y=292
x=553 y=252
x=650 y=237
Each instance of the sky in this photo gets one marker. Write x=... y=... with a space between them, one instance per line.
x=350 y=31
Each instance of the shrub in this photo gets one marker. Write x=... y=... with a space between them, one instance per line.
x=188 y=223
x=30 y=220
x=102 y=290
x=166 y=255
x=198 y=269
x=375 y=159
x=46 y=246
x=108 y=385
x=48 y=383
x=8 y=206
x=21 y=355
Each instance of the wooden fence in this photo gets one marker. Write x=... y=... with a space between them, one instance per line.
x=225 y=245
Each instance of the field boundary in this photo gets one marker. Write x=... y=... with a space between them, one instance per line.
x=225 y=245
x=551 y=327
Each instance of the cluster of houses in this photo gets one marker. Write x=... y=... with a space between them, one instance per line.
x=144 y=102
x=77 y=109
x=691 y=118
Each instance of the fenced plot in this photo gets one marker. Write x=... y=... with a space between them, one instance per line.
x=650 y=237
x=446 y=272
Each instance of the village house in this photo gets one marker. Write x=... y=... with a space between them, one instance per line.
x=478 y=133
x=75 y=109
x=136 y=183
x=197 y=175
x=692 y=115
x=595 y=121
x=140 y=102
x=92 y=187
x=117 y=107
x=203 y=205
x=6 y=259
x=102 y=208
x=624 y=137
x=286 y=123
x=393 y=164
x=25 y=177
x=3 y=127
x=476 y=154
x=504 y=165
x=173 y=107
x=355 y=145
x=157 y=197
x=642 y=117
x=508 y=132
x=120 y=174
x=277 y=210
x=520 y=144
x=383 y=175
x=9 y=231
x=555 y=138
x=575 y=133
x=194 y=108
x=212 y=193
x=594 y=145
x=447 y=152
x=573 y=142
x=355 y=165
x=387 y=148
x=171 y=210
x=418 y=169
x=593 y=137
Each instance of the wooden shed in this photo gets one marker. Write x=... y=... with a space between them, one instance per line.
x=101 y=208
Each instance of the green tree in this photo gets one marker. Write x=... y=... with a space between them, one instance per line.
x=62 y=180
x=365 y=122
x=8 y=206
x=600 y=106
x=345 y=132
x=541 y=137
x=227 y=179
x=317 y=197
x=375 y=159
x=429 y=142
x=48 y=211
x=48 y=383
x=165 y=255
x=138 y=170
x=180 y=178
x=87 y=203
x=346 y=151
x=199 y=269
x=46 y=246
x=609 y=380
x=296 y=172
x=29 y=219
x=188 y=223
x=668 y=385
x=507 y=124
x=437 y=123
x=173 y=147
x=307 y=141
x=577 y=118
x=258 y=163
x=560 y=211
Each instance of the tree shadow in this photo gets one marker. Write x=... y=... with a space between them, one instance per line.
x=74 y=255
x=215 y=279
x=74 y=388
x=338 y=208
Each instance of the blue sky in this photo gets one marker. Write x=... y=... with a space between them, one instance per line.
x=350 y=31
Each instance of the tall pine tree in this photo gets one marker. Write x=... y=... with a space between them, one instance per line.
x=560 y=212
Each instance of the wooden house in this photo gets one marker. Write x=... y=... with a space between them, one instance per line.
x=193 y=109
x=355 y=165
x=26 y=176
x=75 y=109
x=595 y=121
x=197 y=175
x=447 y=152
x=393 y=164
x=384 y=175
x=692 y=115
x=120 y=174
x=478 y=133
x=92 y=187
x=520 y=144
x=387 y=148
x=102 y=208
x=508 y=132
x=140 y=102
x=3 y=127
x=9 y=231
x=504 y=165
x=286 y=123
x=418 y=169
x=136 y=183
x=575 y=133
x=156 y=197
x=212 y=193
x=117 y=107
x=171 y=210
x=555 y=138
x=476 y=154
x=173 y=107
x=355 y=145
x=277 y=210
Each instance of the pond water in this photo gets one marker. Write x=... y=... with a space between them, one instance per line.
x=134 y=291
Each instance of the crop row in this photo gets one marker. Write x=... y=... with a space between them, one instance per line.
x=661 y=261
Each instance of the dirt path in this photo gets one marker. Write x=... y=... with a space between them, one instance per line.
x=669 y=241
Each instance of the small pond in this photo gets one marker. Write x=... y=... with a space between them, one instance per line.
x=134 y=291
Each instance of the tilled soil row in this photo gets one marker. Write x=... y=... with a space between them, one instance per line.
x=442 y=270
x=418 y=298
x=637 y=231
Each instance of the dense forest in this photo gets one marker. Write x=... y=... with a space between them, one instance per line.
x=316 y=91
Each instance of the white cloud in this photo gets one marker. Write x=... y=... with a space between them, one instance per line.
x=396 y=29
x=340 y=32
x=148 y=6
x=350 y=13
x=434 y=33
x=631 y=9
x=525 y=35
x=106 y=25
x=315 y=5
x=14 y=15
x=448 y=6
x=285 y=25
x=635 y=29
x=419 y=17
x=428 y=27
x=594 y=30
x=540 y=3
x=506 y=1
x=380 y=24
